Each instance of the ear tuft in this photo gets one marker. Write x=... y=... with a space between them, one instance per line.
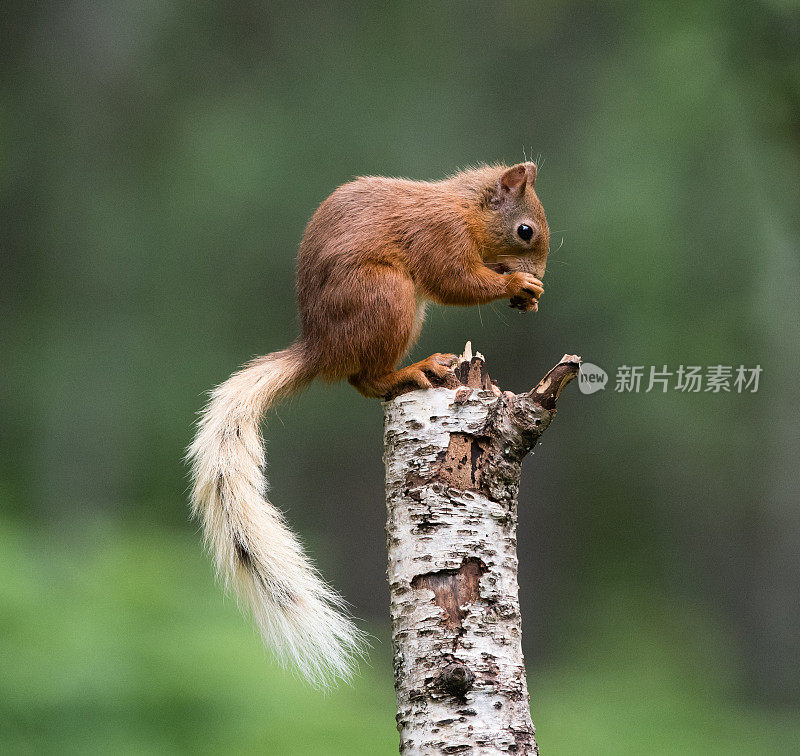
x=513 y=180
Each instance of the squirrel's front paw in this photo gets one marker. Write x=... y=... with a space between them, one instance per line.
x=524 y=290
x=524 y=304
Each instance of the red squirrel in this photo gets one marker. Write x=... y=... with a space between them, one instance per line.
x=373 y=255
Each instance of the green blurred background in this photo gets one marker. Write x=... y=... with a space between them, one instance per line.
x=159 y=162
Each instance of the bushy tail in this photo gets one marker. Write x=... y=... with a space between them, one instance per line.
x=299 y=616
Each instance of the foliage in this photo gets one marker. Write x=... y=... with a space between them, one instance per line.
x=159 y=161
x=118 y=641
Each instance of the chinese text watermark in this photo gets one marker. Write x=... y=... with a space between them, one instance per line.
x=689 y=379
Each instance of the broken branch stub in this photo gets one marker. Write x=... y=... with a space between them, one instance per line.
x=453 y=457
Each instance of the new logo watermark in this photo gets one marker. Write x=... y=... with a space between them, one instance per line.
x=591 y=378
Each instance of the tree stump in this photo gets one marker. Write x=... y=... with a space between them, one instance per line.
x=453 y=456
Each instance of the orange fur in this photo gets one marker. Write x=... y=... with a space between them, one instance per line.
x=377 y=247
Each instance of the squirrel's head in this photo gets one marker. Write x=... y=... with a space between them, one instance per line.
x=516 y=233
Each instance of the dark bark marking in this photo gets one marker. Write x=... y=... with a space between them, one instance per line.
x=459 y=466
x=457 y=679
x=462 y=466
x=474 y=374
x=453 y=588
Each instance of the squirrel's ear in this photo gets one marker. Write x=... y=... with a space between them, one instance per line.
x=513 y=181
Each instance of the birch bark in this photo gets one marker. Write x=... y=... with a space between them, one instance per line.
x=453 y=457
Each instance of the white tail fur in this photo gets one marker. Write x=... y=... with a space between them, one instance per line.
x=299 y=616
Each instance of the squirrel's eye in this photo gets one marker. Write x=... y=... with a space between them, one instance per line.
x=525 y=232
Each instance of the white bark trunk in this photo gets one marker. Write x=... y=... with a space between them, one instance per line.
x=453 y=459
